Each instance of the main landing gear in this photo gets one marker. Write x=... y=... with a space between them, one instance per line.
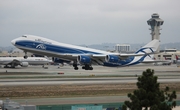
x=75 y=66
x=87 y=67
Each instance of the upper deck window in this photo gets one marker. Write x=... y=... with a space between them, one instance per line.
x=24 y=36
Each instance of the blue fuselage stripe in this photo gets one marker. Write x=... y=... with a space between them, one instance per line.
x=66 y=50
x=52 y=48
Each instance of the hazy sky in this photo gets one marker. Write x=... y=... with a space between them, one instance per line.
x=88 y=21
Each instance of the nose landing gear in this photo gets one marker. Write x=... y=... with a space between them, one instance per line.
x=25 y=56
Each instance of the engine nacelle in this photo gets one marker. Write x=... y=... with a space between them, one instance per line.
x=112 y=58
x=24 y=64
x=82 y=59
x=58 y=60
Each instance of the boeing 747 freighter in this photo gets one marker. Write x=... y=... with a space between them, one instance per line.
x=86 y=57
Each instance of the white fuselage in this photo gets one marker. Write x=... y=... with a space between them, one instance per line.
x=30 y=60
x=86 y=56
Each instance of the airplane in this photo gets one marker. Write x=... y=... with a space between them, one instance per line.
x=152 y=60
x=177 y=58
x=177 y=61
x=84 y=56
x=167 y=61
x=12 y=62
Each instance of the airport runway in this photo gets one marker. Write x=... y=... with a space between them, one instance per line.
x=36 y=75
x=98 y=70
x=77 y=81
x=110 y=75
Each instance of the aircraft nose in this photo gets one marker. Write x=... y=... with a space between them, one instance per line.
x=13 y=41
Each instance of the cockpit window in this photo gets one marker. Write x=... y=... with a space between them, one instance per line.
x=24 y=36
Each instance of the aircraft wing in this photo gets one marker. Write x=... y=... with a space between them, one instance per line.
x=99 y=59
x=15 y=62
x=117 y=54
x=96 y=59
x=134 y=54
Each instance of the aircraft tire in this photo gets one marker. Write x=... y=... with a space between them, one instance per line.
x=25 y=57
x=76 y=68
x=90 y=68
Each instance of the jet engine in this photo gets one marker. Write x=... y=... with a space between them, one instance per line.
x=62 y=61
x=57 y=60
x=82 y=59
x=24 y=64
x=112 y=58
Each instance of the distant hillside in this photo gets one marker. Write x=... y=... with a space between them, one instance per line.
x=134 y=47
x=9 y=48
x=171 y=45
x=111 y=46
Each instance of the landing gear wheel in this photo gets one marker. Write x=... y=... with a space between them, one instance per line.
x=25 y=57
x=6 y=66
x=87 y=67
x=75 y=65
x=76 y=68
x=90 y=68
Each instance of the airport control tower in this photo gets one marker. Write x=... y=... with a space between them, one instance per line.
x=155 y=22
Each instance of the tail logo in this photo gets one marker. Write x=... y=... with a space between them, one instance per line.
x=177 y=57
x=41 y=46
x=145 y=50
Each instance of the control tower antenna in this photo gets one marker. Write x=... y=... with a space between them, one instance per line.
x=155 y=22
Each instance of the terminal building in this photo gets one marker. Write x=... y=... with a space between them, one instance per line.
x=122 y=48
x=168 y=54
